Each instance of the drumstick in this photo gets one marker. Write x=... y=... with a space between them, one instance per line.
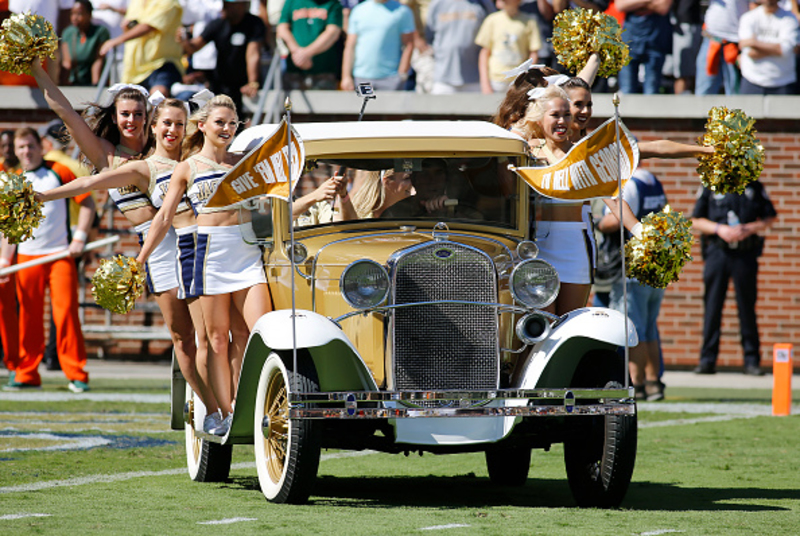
x=56 y=256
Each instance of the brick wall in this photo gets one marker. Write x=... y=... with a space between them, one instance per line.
x=778 y=307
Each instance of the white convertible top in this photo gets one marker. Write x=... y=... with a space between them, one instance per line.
x=380 y=138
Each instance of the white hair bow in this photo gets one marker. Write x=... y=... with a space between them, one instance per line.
x=523 y=67
x=558 y=79
x=201 y=97
x=116 y=88
x=156 y=98
x=536 y=93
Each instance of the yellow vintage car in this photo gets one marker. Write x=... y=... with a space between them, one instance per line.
x=422 y=329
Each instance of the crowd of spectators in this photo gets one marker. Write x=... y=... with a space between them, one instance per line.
x=431 y=46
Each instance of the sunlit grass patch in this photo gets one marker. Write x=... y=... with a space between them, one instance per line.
x=692 y=476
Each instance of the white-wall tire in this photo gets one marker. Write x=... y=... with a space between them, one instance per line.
x=287 y=451
x=205 y=460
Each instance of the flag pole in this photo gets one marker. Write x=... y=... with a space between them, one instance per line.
x=287 y=106
x=618 y=143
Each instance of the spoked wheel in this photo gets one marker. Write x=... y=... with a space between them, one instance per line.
x=206 y=461
x=600 y=459
x=287 y=451
x=508 y=466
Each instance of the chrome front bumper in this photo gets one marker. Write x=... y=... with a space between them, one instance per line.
x=496 y=403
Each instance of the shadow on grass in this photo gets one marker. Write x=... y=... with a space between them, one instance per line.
x=469 y=490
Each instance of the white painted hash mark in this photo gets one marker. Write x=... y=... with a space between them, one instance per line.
x=9 y=517
x=444 y=527
x=657 y=532
x=228 y=521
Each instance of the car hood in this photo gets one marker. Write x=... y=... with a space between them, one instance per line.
x=341 y=250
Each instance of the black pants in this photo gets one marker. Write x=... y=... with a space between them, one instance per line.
x=720 y=266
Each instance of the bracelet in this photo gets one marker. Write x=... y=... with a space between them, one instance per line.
x=345 y=198
x=80 y=235
x=716 y=229
x=254 y=84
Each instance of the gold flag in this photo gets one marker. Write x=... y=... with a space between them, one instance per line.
x=589 y=169
x=263 y=172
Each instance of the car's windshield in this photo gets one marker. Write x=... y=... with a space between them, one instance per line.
x=478 y=190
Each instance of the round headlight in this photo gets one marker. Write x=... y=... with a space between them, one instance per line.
x=300 y=253
x=535 y=283
x=364 y=284
x=527 y=250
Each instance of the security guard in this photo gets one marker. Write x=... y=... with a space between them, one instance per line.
x=730 y=225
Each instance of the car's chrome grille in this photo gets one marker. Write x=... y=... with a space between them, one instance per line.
x=445 y=346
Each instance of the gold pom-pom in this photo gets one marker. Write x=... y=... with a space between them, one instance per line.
x=20 y=212
x=657 y=258
x=117 y=283
x=738 y=155
x=578 y=33
x=23 y=38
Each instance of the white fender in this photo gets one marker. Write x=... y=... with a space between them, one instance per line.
x=587 y=327
x=323 y=338
x=312 y=330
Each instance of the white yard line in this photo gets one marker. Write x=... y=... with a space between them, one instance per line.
x=679 y=422
x=727 y=408
x=47 y=396
x=95 y=429
x=95 y=479
x=445 y=527
x=64 y=443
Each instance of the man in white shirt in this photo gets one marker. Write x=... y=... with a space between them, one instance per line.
x=716 y=61
x=767 y=39
x=51 y=236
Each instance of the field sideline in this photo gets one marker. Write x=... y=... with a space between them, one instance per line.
x=710 y=461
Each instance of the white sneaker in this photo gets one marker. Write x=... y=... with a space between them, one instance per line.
x=225 y=425
x=212 y=423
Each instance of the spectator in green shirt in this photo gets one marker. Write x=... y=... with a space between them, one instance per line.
x=81 y=62
x=310 y=29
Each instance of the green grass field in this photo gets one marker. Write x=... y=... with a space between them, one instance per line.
x=710 y=461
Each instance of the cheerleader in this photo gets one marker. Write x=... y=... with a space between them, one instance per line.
x=138 y=188
x=562 y=234
x=111 y=134
x=526 y=77
x=229 y=274
x=580 y=97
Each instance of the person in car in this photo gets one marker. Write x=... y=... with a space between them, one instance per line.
x=320 y=206
x=430 y=185
x=379 y=191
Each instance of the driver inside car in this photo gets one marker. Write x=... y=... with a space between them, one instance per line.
x=430 y=185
